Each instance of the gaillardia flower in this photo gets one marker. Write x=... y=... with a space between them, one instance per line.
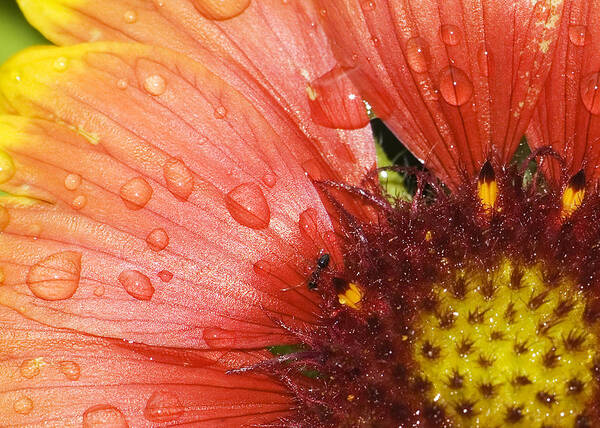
x=188 y=185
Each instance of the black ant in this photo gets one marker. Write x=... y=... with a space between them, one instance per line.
x=322 y=263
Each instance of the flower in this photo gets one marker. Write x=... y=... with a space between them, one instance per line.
x=197 y=186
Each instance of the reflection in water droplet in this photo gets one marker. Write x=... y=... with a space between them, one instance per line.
x=157 y=239
x=23 y=406
x=579 y=35
x=130 y=16
x=483 y=59
x=450 y=34
x=417 y=54
x=455 y=86
x=221 y=9
x=248 y=206
x=589 y=92
x=163 y=406
x=136 y=284
x=7 y=167
x=308 y=224
x=103 y=416
x=220 y=112
x=4 y=218
x=56 y=277
x=79 y=202
x=99 y=291
x=72 y=181
x=217 y=338
x=269 y=179
x=122 y=84
x=136 y=193
x=155 y=85
x=61 y=63
x=31 y=368
x=368 y=5
x=262 y=267
x=70 y=369
x=179 y=178
x=165 y=275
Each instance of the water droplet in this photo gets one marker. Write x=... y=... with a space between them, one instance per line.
x=455 y=86
x=248 y=206
x=179 y=178
x=130 y=16
x=72 y=181
x=269 y=179
x=163 y=406
x=2 y=276
x=61 y=64
x=417 y=54
x=220 y=112
x=263 y=268
x=79 y=202
x=136 y=193
x=221 y=9
x=368 y=5
x=483 y=59
x=579 y=35
x=157 y=239
x=99 y=291
x=589 y=92
x=165 y=275
x=56 y=277
x=7 y=167
x=31 y=368
x=122 y=84
x=217 y=338
x=155 y=85
x=308 y=224
x=70 y=369
x=4 y=218
x=23 y=406
x=450 y=34
x=136 y=284
x=103 y=416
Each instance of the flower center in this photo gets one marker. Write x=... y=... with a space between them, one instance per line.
x=507 y=347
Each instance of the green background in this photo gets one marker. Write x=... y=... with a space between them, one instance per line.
x=15 y=32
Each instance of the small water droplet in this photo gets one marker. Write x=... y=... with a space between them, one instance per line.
x=72 y=181
x=56 y=277
x=122 y=84
x=579 y=35
x=70 y=369
x=450 y=34
x=262 y=267
x=308 y=224
x=4 y=218
x=217 y=338
x=136 y=284
x=79 y=202
x=103 y=416
x=136 y=193
x=248 y=206
x=221 y=9
x=2 y=276
x=130 y=16
x=31 y=368
x=158 y=239
x=417 y=54
x=589 y=92
x=483 y=59
x=163 y=406
x=165 y=275
x=155 y=85
x=220 y=112
x=23 y=406
x=7 y=167
x=61 y=64
x=269 y=179
x=99 y=291
x=368 y=5
x=179 y=178
x=455 y=86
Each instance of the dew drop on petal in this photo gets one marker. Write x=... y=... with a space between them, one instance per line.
x=483 y=59
x=262 y=267
x=72 y=181
x=155 y=85
x=23 y=406
x=269 y=179
x=103 y=416
x=368 y=5
x=7 y=167
x=122 y=84
x=130 y=16
x=56 y=277
x=308 y=224
x=136 y=193
x=450 y=34
x=70 y=369
x=417 y=54
x=99 y=291
x=248 y=206
x=158 y=239
x=217 y=338
x=31 y=368
x=165 y=275
x=4 y=218
x=136 y=284
x=220 y=112
x=455 y=86
x=221 y=9
x=79 y=202
x=163 y=406
x=590 y=95
x=179 y=178
x=579 y=35
x=61 y=63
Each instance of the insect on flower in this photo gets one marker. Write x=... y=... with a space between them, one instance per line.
x=189 y=185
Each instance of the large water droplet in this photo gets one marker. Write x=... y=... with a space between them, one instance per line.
x=157 y=239
x=7 y=167
x=70 y=369
x=269 y=179
x=589 y=92
x=217 y=338
x=221 y=9
x=417 y=54
x=165 y=275
x=72 y=181
x=163 y=406
x=179 y=178
x=104 y=416
x=455 y=86
x=23 y=406
x=450 y=34
x=483 y=59
x=4 y=218
x=248 y=206
x=56 y=277
x=136 y=193
x=155 y=85
x=308 y=224
x=79 y=202
x=579 y=35
x=130 y=16
x=31 y=368
x=136 y=284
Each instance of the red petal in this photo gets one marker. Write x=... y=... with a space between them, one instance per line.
x=456 y=81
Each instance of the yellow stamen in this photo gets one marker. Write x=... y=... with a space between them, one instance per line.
x=352 y=296
x=487 y=187
x=573 y=195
